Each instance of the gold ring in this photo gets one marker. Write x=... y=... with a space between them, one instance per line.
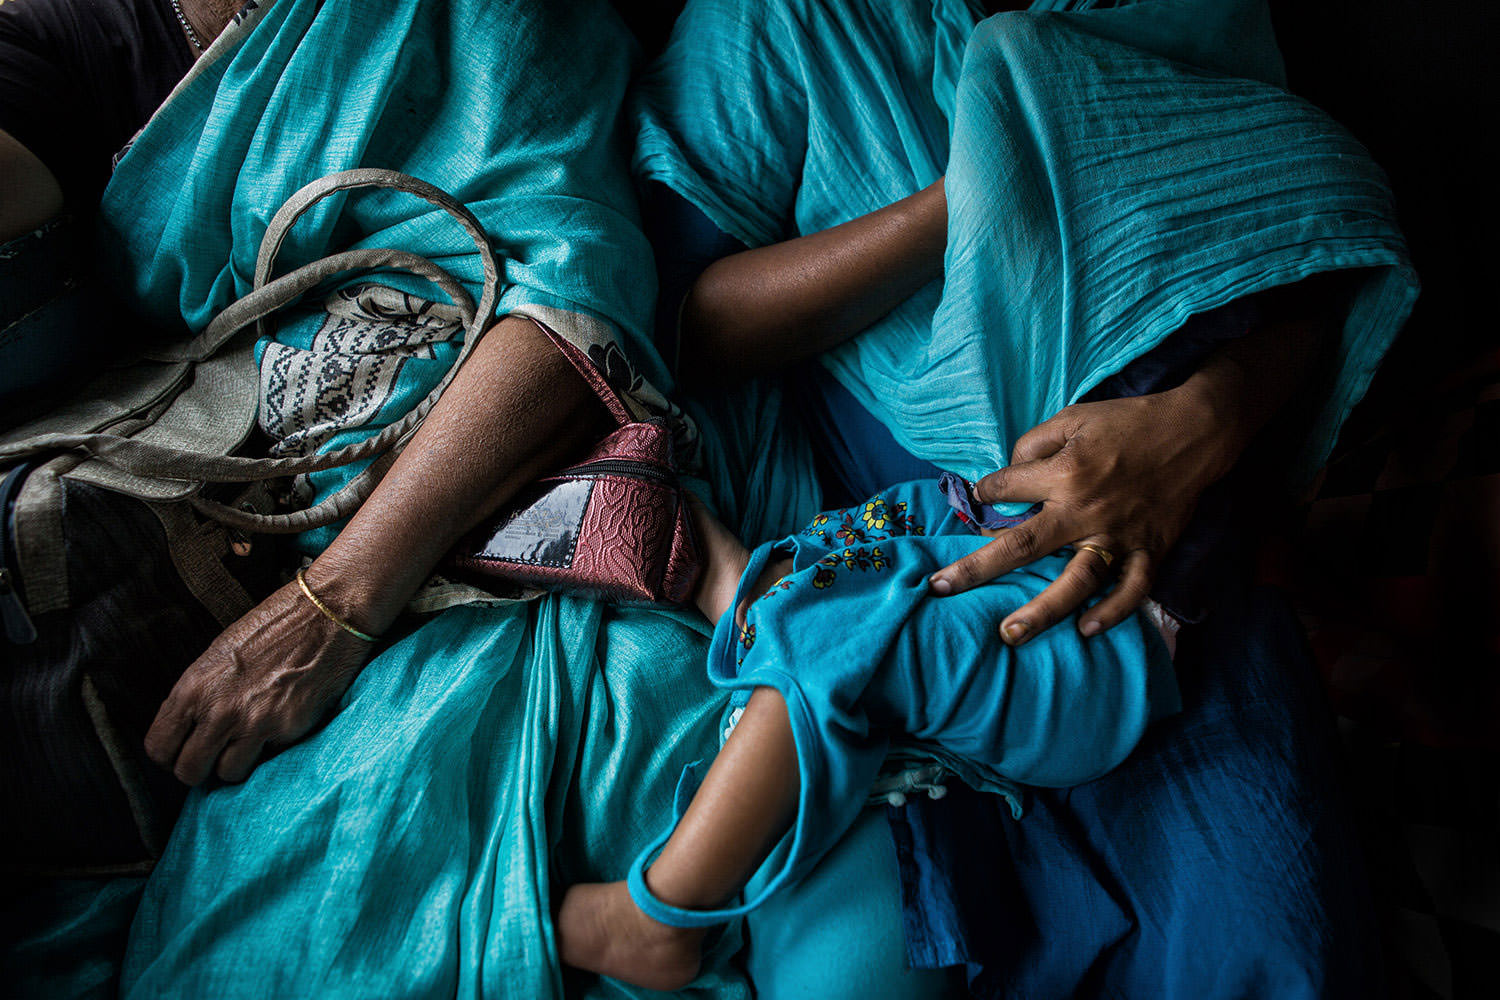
x=1098 y=550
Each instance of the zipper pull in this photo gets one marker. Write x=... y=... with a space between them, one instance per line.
x=18 y=626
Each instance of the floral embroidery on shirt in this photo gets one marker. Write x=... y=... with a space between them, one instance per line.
x=906 y=524
x=850 y=558
x=784 y=583
x=875 y=514
x=848 y=533
x=880 y=515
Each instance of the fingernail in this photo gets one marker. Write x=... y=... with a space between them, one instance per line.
x=1015 y=632
x=939 y=586
x=1090 y=627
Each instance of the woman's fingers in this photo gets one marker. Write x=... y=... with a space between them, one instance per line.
x=1129 y=594
x=267 y=679
x=168 y=730
x=201 y=751
x=1027 y=482
x=1046 y=438
x=1011 y=549
x=239 y=759
x=1084 y=574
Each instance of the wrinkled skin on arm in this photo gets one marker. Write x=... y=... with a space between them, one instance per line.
x=516 y=409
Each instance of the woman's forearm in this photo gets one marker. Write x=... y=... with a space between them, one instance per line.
x=763 y=309
x=515 y=410
x=1246 y=382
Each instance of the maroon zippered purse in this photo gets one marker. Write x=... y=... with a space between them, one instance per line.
x=615 y=525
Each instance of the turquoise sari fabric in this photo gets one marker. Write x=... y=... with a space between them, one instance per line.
x=410 y=849
x=1111 y=171
x=483 y=99
x=492 y=753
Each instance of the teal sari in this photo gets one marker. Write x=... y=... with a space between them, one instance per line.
x=494 y=751
x=1111 y=170
x=413 y=846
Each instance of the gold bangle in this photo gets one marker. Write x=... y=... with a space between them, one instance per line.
x=327 y=611
x=1098 y=550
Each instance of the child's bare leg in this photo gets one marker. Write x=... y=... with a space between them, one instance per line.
x=745 y=804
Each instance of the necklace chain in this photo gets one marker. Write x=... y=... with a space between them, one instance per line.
x=182 y=20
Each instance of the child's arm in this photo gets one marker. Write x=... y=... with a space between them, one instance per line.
x=763 y=309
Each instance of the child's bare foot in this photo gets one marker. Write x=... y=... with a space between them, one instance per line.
x=600 y=929
x=724 y=560
x=774 y=570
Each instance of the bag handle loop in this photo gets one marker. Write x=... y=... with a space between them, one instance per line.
x=147 y=459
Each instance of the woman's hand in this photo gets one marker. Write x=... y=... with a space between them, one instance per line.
x=515 y=410
x=264 y=683
x=1123 y=475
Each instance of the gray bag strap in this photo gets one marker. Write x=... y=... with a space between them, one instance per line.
x=147 y=459
x=267 y=298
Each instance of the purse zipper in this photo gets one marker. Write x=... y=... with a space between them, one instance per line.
x=19 y=628
x=622 y=467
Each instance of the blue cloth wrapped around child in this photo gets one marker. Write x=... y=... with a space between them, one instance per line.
x=862 y=653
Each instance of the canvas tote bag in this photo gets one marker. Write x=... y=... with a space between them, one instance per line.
x=126 y=521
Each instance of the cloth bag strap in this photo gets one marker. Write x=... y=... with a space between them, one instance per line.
x=152 y=460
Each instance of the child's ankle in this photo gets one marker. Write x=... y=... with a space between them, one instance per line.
x=600 y=929
x=724 y=562
x=774 y=570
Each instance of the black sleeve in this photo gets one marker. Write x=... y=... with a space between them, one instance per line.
x=78 y=78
